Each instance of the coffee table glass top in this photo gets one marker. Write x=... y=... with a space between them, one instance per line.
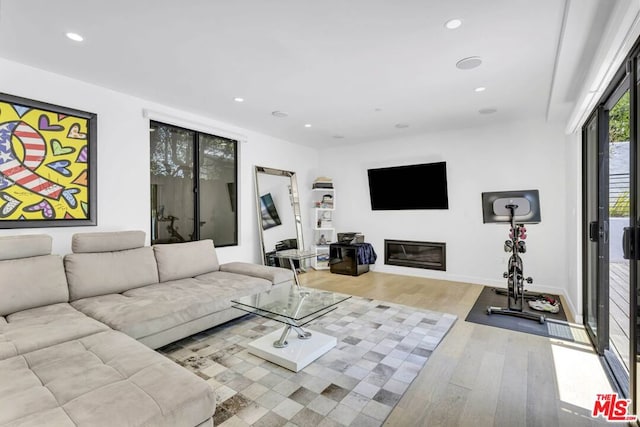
x=289 y=304
x=296 y=254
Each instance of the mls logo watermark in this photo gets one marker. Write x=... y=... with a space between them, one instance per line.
x=609 y=407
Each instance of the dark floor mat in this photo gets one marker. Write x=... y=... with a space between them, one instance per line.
x=555 y=326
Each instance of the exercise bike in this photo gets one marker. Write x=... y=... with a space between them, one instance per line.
x=505 y=207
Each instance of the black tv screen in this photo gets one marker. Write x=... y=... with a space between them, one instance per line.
x=421 y=186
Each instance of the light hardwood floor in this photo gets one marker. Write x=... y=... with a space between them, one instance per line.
x=481 y=375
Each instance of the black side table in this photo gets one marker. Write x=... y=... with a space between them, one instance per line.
x=343 y=259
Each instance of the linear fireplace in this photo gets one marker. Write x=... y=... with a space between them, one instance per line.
x=407 y=253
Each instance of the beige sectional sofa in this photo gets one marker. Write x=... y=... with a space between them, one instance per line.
x=75 y=336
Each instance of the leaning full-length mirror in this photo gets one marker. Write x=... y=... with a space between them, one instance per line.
x=278 y=209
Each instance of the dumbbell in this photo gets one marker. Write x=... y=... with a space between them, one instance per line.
x=522 y=247
x=523 y=232
x=508 y=245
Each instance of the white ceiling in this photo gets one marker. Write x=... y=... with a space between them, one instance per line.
x=354 y=68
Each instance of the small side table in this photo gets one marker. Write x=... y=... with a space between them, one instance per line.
x=343 y=259
x=295 y=255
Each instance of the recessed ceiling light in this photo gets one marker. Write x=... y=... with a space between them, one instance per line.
x=402 y=125
x=238 y=99
x=452 y=24
x=75 y=37
x=279 y=114
x=480 y=89
x=469 y=63
x=307 y=125
x=338 y=136
x=487 y=110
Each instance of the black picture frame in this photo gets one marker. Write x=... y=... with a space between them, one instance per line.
x=48 y=165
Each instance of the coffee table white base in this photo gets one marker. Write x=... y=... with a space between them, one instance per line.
x=297 y=354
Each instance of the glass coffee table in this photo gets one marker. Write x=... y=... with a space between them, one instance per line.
x=294 y=307
x=292 y=255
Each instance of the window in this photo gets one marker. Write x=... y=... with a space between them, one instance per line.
x=193 y=186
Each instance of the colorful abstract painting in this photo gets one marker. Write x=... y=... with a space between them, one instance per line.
x=47 y=164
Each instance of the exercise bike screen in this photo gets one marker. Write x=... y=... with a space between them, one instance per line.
x=495 y=206
x=521 y=205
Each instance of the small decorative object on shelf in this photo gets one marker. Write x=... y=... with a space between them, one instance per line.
x=323 y=230
x=322 y=182
x=326 y=202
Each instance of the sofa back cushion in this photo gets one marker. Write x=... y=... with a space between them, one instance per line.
x=29 y=245
x=182 y=260
x=107 y=241
x=29 y=276
x=102 y=273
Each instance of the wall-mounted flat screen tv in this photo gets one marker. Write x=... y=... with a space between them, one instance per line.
x=422 y=186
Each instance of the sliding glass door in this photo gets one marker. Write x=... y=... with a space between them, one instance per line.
x=634 y=138
x=611 y=202
x=619 y=260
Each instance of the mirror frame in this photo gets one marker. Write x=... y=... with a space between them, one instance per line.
x=295 y=200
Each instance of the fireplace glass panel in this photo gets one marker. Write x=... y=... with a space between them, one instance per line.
x=428 y=255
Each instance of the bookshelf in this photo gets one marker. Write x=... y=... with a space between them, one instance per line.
x=324 y=232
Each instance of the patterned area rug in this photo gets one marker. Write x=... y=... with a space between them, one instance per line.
x=381 y=349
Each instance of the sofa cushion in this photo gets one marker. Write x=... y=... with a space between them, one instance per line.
x=214 y=285
x=155 y=308
x=28 y=245
x=106 y=379
x=42 y=327
x=109 y=241
x=91 y=274
x=182 y=260
x=31 y=282
x=275 y=275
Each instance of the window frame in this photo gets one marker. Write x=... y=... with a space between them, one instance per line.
x=196 y=179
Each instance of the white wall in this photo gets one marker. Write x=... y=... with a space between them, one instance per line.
x=123 y=156
x=517 y=156
x=477 y=160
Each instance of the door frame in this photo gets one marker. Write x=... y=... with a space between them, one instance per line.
x=600 y=340
x=634 y=177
